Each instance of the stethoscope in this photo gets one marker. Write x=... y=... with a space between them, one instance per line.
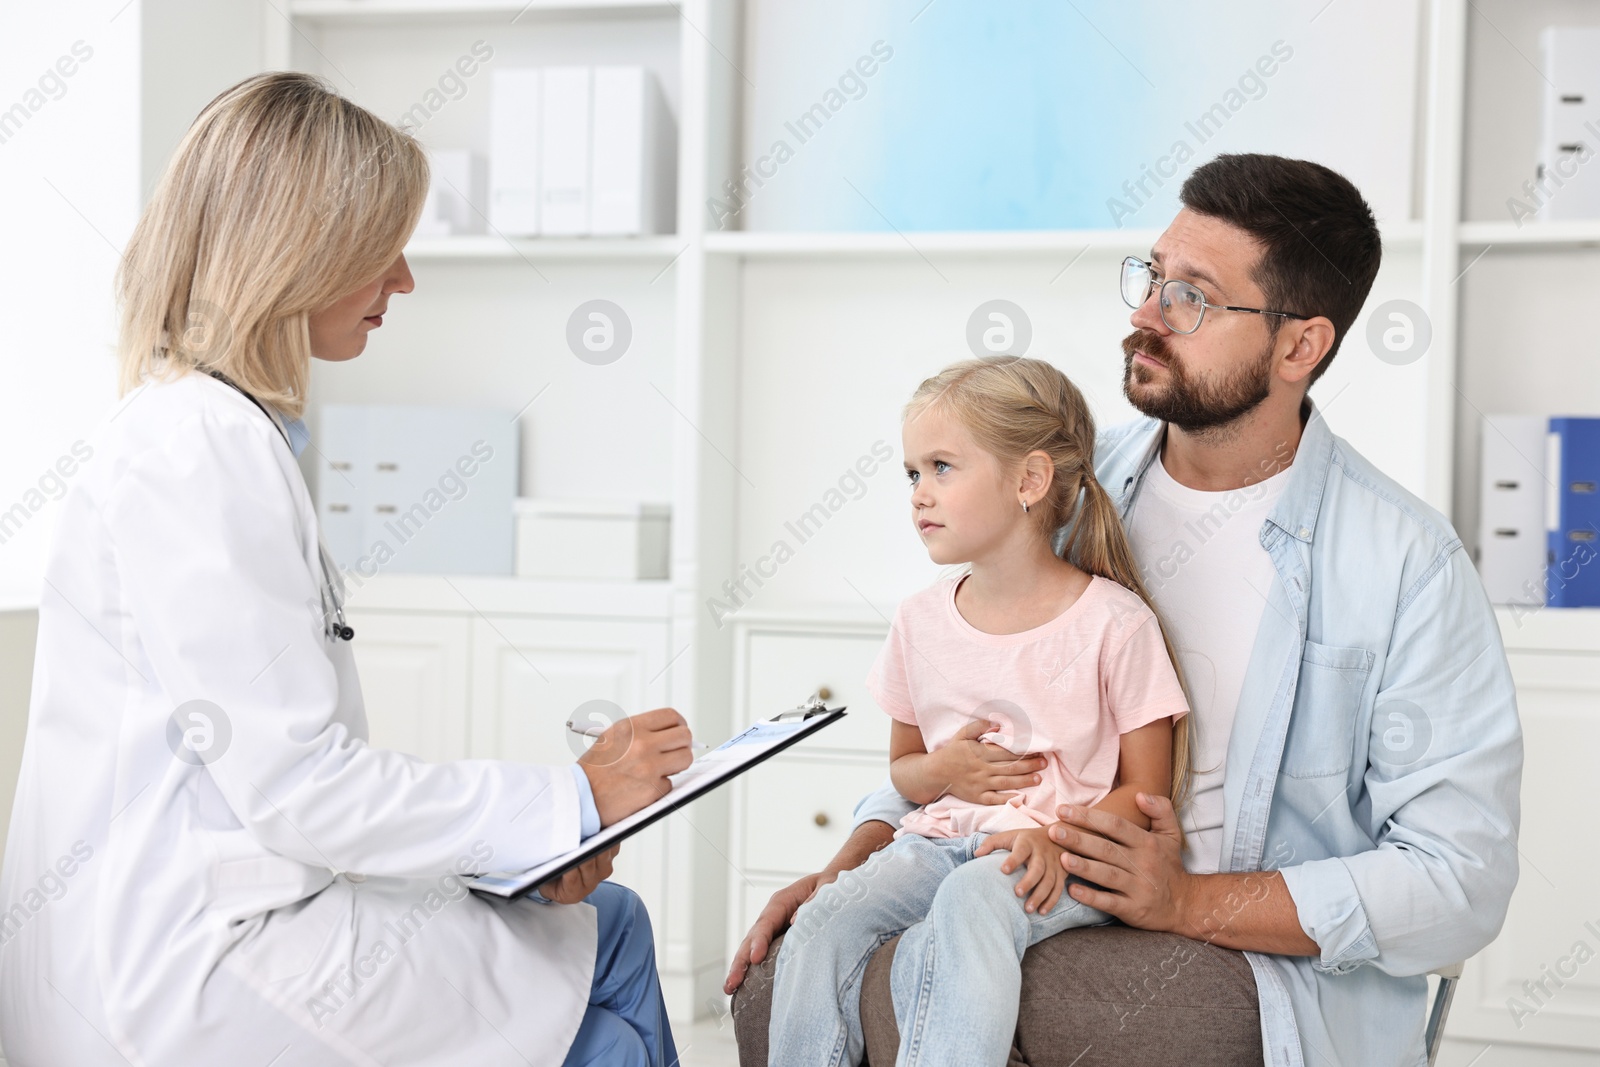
x=333 y=625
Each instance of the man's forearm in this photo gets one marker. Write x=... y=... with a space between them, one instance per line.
x=867 y=838
x=1249 y=912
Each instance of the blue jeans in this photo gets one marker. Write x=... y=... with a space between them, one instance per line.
x=626 y=1022
x=957 y=973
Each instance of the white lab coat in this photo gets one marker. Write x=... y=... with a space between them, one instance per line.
x=296 y=896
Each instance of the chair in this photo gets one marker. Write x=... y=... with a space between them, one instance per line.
x=1440 y=1009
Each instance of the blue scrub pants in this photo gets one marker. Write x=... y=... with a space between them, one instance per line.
x=626 y=1022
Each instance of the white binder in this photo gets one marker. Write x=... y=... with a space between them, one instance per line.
x=564 y=107
x=1569 y=141
x=514 y=153
x=1511 y=528
x=634 y=165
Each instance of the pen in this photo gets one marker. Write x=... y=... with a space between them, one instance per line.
x=596 y=731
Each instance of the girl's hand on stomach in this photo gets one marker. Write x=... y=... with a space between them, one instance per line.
x=1046 y=877
x=967 y=768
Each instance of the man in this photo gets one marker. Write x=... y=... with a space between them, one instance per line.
x=1357 y=754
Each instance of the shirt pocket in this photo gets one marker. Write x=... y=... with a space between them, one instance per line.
x=1326 y=706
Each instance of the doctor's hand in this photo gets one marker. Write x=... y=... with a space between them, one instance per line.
x=628 y=764
x=579 y=882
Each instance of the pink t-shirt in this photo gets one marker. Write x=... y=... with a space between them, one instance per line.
x=1066 y=690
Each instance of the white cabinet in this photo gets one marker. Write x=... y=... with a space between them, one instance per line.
x=1536 y=989
x=793 y=812
x=492 y=668
x=414 y=681
x=528 y=677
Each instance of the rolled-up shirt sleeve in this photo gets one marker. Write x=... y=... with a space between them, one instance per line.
x=1442 y=783
x=883 y=805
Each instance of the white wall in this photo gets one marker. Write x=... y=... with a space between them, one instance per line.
x=73 y=178
x=70 y=183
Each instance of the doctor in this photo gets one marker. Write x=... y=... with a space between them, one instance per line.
x=207 y=863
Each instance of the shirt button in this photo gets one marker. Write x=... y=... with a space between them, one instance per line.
x=1304 y=532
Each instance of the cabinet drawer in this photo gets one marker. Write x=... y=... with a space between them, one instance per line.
x=783 y=669
x=798 y=810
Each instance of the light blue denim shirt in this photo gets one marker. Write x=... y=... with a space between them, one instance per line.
x=1376 y=755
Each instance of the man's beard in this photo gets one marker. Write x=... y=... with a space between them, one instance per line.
x=1184 y=402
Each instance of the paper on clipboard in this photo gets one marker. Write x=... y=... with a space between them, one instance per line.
x=721 y=764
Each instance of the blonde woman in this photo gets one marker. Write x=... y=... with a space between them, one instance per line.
x=207 y=863
x=1038 y=651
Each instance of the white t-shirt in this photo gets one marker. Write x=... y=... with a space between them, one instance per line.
x=1201 y=559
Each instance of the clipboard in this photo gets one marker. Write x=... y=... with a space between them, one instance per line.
x=722 y=764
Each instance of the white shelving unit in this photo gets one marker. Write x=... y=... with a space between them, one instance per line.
x=508 y=660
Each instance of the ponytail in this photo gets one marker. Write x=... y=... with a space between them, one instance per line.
x=1098 y=545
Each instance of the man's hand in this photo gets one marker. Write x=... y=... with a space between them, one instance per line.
x=579 y=882
x=773 y=920
x=977 y=771
x=1046 y=876
x=1145 y=883
x=628 y=765
x=776 y=917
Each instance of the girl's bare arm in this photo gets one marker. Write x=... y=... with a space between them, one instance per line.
x=1145 y=766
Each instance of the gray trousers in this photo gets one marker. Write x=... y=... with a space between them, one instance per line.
x=1104 y=995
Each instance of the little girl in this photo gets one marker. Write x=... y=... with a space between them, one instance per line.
x=1060 y=654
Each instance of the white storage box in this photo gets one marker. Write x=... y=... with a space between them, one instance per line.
x=456 y=195
x=592 y=538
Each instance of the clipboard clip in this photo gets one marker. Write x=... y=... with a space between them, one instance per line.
x=810 y=709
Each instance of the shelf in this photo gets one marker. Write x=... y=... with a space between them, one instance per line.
x=977 y=244
x=843 y=617
x=506 y=595
x=1541 y=629
x=656 y=249
x=1573 y=233
x=515 y=10
x=888 y=243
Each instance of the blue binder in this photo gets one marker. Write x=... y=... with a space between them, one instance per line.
x=1573 y=519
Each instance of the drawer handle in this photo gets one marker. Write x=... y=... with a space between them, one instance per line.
x=820 y=818
x=824 y=692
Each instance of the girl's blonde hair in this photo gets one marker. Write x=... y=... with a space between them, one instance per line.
x=282 y=198
x=1013 y=406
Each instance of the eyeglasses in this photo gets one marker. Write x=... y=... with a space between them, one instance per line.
x=1183 y=307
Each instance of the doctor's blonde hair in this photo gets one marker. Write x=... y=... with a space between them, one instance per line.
x=1013 y=406
x=283 y=198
